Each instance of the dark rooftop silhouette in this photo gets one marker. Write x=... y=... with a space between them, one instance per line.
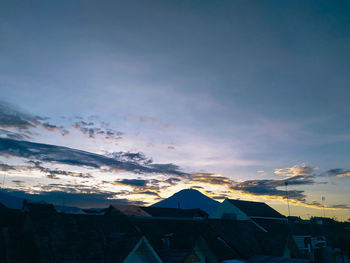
x=256 y=209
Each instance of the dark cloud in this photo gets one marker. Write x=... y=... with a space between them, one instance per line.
x=53 y=128
x=13 y=118
x=137 y=157
x=172 y=180
x=340 y=206
x=138 y=185
x=197 y=187
x=83 y=200
x=6 y=167
x=14 y=135
x=211 y=179
x=269 y=188
x=140 y=158
x=36 y=166
x=10 y=117
x=133 y=182
x=93 y=129
x=273 y=188
x=19 y=183
x=63 y=155
x=148 y=193
x=220 y=197
x=337 y=173
x=168 y=168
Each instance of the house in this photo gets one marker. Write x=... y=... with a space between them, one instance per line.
x=137 y=251
x=80 y=238
x=165 y=212
x=271 y=259
x=179 y=240
x=3 y=208
x=126 y=210
x=323 y=220
x=69 y=210
x=245 y=210
x=95 y=211
x=38 y=208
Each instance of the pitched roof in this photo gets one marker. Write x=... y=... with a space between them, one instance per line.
x=3 y=207
x=271 y=259
x=173 y=255
x=173 y=237
x=128 y=210
x=121 y=247
x=240 y=235
x=276 y=226
x=82 y=238
x=174 y=212
x=256 y=209
x=38 y=208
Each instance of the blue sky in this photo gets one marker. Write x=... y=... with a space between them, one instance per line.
x=235 y=89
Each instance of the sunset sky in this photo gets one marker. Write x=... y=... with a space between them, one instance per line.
x=132 y=101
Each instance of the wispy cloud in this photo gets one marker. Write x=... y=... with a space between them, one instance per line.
x=212 y=179
x=151 y=121
x=54 y=128
x=297 y=170
x=35 y=166
x=136 y=157
x=94 y=127
x=10 y=116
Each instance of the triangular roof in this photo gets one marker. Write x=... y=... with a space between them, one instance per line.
x=38 y=208
x=128 y=210
x=3 y=207
x=175 y=237
x=256 y=209
x=124 y=248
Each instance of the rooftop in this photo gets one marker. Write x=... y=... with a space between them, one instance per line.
x=256 y=209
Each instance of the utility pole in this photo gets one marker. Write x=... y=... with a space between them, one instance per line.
x=286 y=183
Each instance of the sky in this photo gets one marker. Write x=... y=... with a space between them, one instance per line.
x=132 y=101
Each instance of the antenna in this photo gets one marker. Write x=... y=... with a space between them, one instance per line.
x=286 y=183
x=3 y=181
x=323 y=199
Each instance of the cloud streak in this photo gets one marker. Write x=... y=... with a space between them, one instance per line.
x=64 y=155
x=271 y=188
x=36 y=167
x=151 y=121
x=13 y=118
x=340 y=173
x=71 y=196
